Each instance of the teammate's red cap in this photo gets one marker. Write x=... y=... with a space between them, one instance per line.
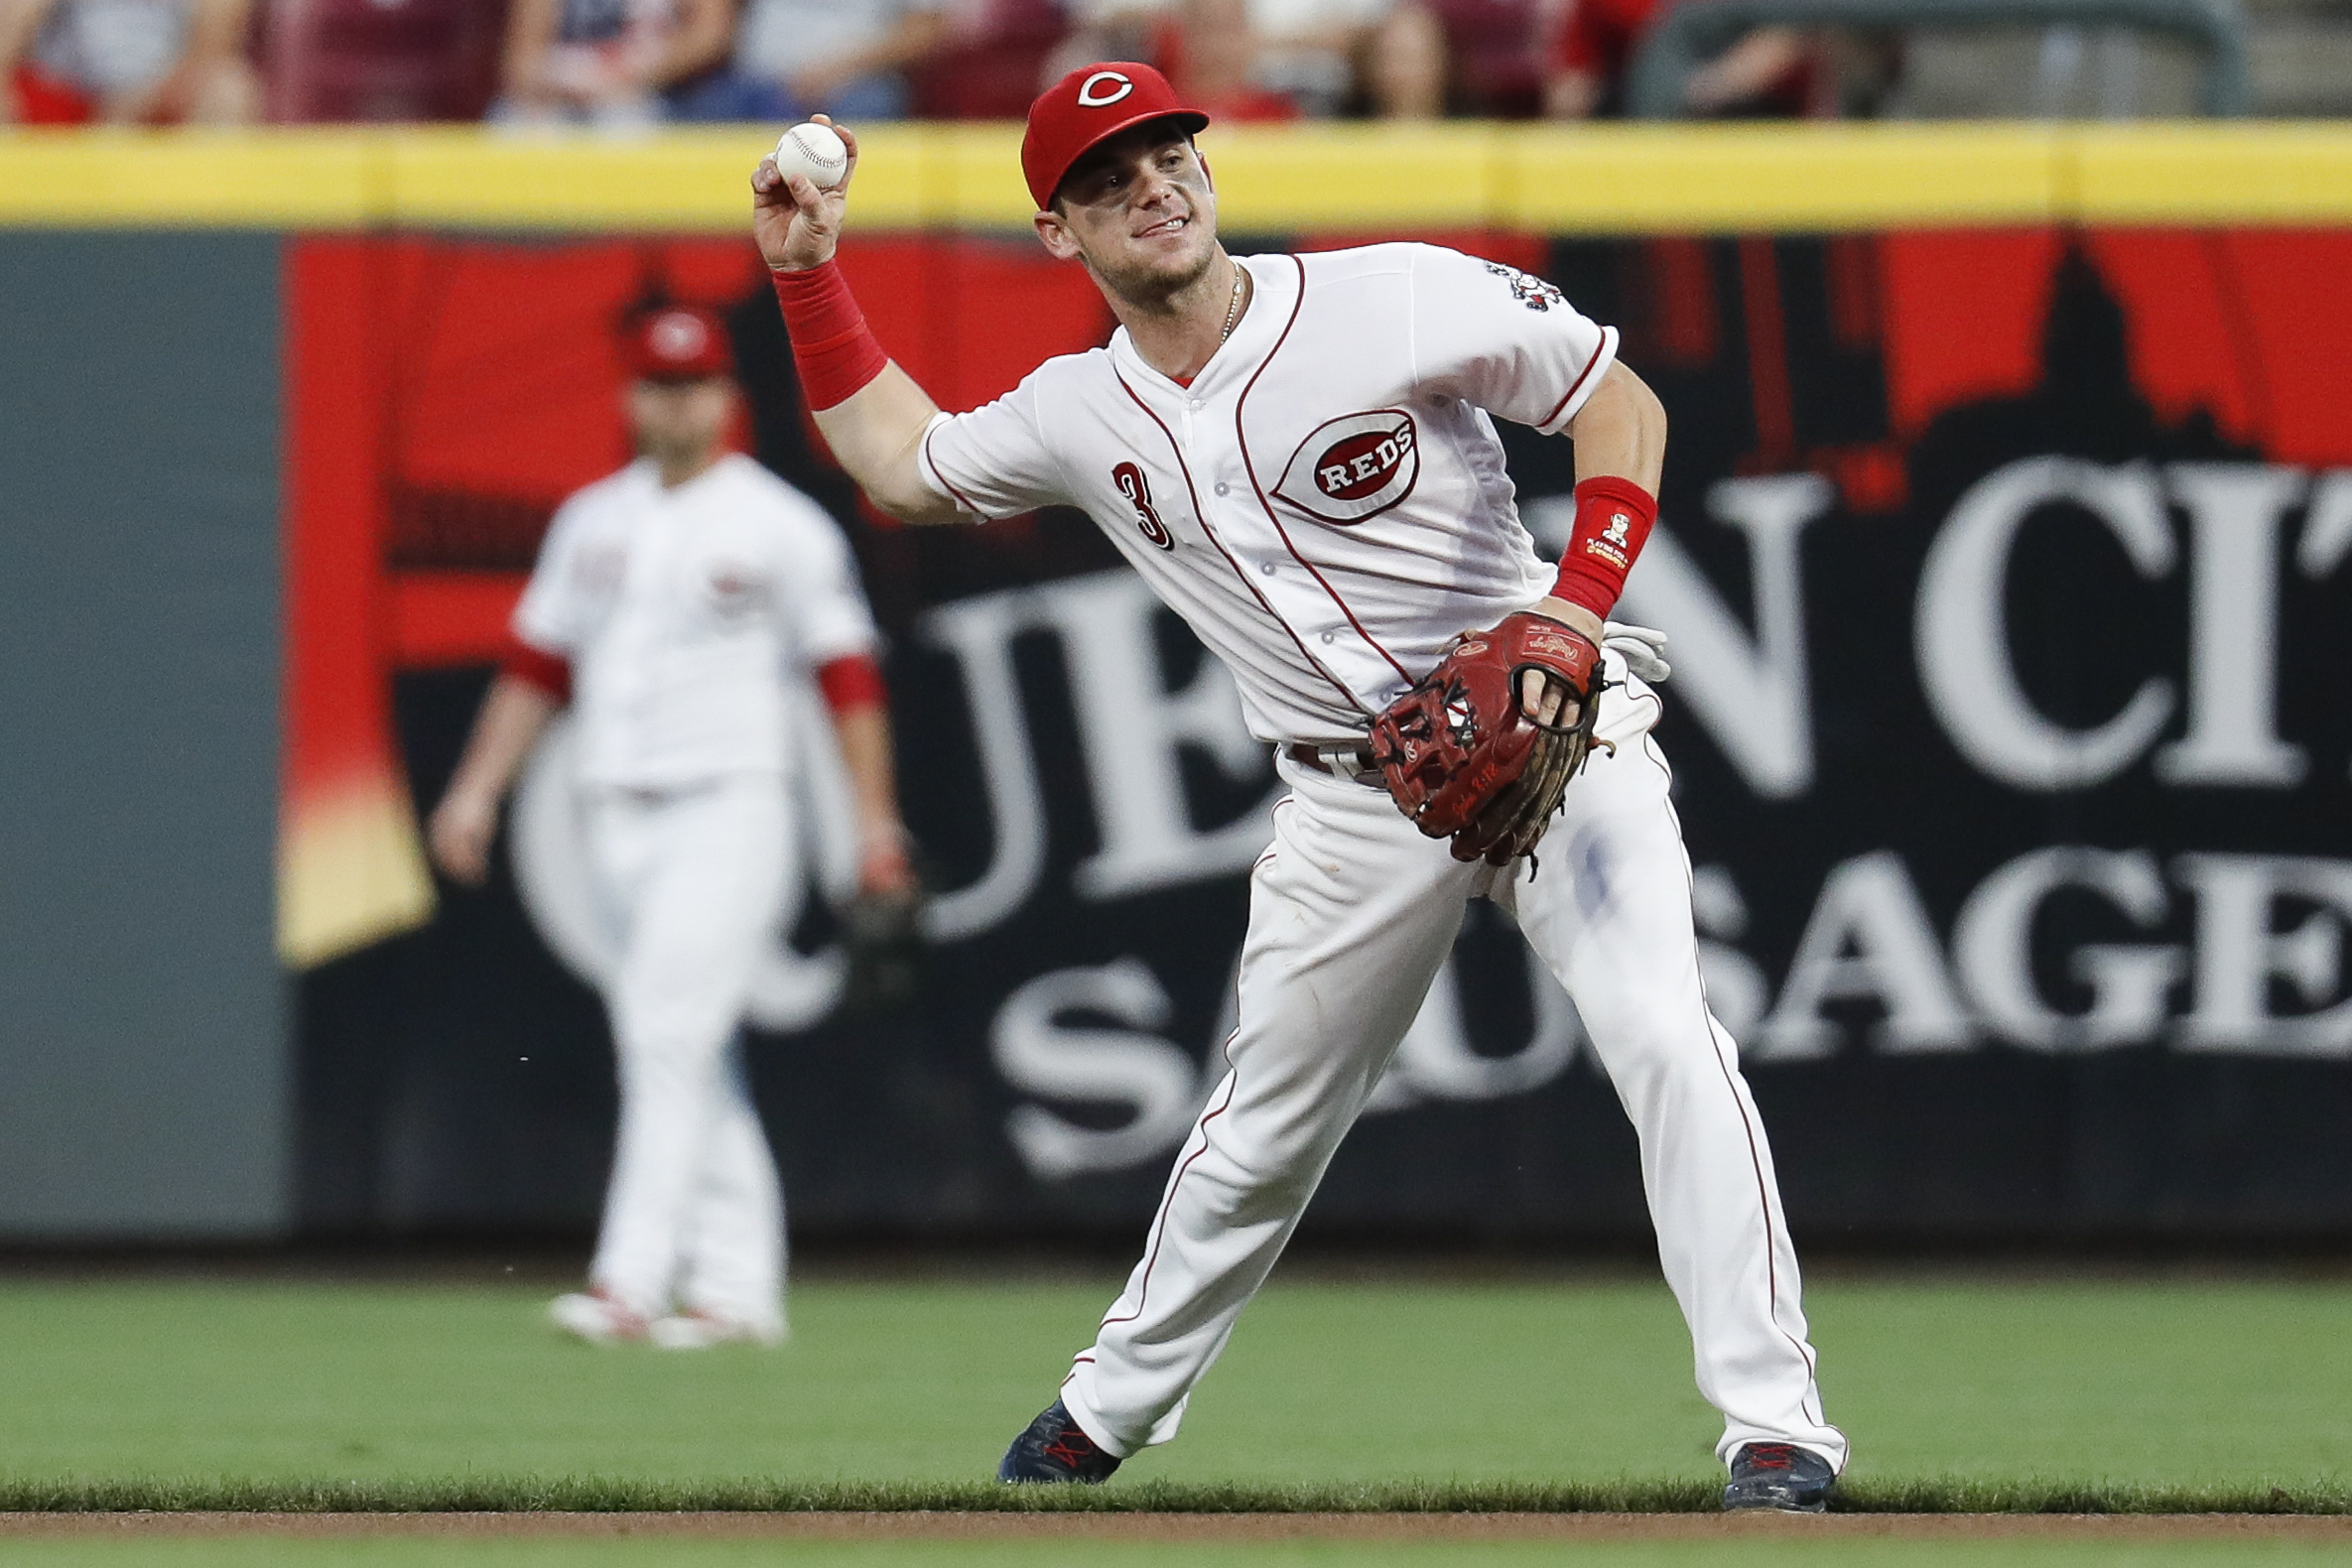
x=1090 y=103
x=678 y=343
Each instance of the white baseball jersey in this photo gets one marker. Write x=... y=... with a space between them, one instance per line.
x=1326 y=503
x=683 y=612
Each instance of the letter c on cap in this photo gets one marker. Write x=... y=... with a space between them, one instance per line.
x=1086 y=89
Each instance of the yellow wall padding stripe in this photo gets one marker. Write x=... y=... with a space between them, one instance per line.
x=215 y=180
x=2287 y=175
x=1562 y=180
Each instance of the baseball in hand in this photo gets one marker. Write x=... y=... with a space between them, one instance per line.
x=815 y=151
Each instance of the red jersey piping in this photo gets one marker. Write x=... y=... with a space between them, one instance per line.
x=1582 y=376
x=960 y=498
x=1240 y=439
x=1201 y=517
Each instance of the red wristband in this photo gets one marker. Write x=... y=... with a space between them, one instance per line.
x=549 y=672
x=1613 y=520
x=831 y=343
x=852 y=681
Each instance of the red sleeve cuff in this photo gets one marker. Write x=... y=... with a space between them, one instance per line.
x=852 y=681
x=549 y=672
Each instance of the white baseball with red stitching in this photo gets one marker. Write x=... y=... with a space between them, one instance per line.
x=816 y=151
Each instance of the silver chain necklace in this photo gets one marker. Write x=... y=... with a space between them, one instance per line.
x=1233 y=312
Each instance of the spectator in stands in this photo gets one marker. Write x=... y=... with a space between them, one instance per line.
x=380 y=61
x=1121 y=30
x=987 y=65
x=126 y=62
x=1769 y=72
x=1492 y=53
x=1209 y=51
x=1404 y=70
x=1274 y=59
x=607 y=63
x=1311 y=49
x=844 y=57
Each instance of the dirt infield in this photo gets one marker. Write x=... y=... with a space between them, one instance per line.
x=1202 y=1527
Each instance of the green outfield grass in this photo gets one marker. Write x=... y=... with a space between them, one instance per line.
x=251 y=1553
x=1955 y=1391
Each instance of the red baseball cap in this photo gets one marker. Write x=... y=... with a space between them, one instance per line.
x=678 y=343
x=1090 y=103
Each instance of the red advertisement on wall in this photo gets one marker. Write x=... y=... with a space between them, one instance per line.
x=2006 y=575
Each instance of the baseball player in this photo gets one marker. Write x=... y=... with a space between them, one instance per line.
x=671 y=604
x=1297 y=454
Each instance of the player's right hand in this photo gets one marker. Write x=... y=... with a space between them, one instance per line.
x=459 y=835
x=797 y=224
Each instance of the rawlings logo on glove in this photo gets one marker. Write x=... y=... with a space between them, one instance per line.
x=1464 y=758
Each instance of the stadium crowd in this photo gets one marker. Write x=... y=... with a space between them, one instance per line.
x=618 y=65
x=623 y=64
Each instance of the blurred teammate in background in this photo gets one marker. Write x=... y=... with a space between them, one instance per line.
x=671 y=604
x=126 y=62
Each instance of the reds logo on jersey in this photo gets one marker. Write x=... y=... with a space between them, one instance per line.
x=1137 y=489
x=735 y=589
x=1354 y=468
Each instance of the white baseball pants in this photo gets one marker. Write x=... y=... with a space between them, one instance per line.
x=1352 y=911
x=694 y=1214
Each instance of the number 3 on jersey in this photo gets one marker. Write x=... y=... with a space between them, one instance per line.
x=1132 y=485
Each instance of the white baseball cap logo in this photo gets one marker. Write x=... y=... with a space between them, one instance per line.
x=678 y=335
x=1088 y=97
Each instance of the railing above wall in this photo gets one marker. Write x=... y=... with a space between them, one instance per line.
x=1359 y=178
x=1693 y=30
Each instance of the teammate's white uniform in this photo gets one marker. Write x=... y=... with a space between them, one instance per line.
x=1326 y=505
x=684 y=612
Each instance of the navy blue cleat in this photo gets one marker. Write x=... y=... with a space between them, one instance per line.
x=1778 y=1476
x=1056 y=1448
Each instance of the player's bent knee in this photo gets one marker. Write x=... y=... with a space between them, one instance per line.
x=1262 y=1181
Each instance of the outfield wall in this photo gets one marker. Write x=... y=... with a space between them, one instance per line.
x=2003 y=550
x=144 y=1054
